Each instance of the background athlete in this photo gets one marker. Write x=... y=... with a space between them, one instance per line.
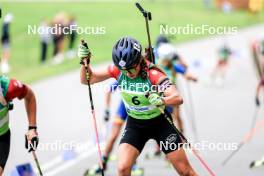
x=169 y=62
x=11 y=89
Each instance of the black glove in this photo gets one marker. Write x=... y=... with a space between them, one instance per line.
x=31 y=140
x=107 y=115
x=10 y=106
x=257 y=101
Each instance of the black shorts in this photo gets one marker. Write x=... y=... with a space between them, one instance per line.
x=138 y=132
x=4 y=148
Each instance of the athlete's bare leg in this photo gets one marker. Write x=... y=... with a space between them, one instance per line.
x=180 y=162
x=1 y=171
x=111 y=141
x=127 y=156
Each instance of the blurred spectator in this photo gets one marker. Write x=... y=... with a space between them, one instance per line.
x=255 y=6
x=72 y=37
x=227 y=7
x=45 y=37
x=207 y=3
x=5 y=41
x=59 y=21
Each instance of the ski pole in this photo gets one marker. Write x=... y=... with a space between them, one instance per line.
x=240 y=145
x=92 y=110
x=183 y=138
x=195 y=152
x=192 y=112
x=147 y=16
x=37 y=163
x=247 y=138
x=254 y=119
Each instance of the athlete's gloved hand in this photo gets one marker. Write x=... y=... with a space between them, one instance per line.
x=257 y=101
x=156 y=99
x=31 y=139
x=84 y=53
x=107 y=115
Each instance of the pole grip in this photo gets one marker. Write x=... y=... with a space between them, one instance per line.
x=140 y=8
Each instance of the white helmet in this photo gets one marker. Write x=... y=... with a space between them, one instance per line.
x=166 y=51
x=8 y=18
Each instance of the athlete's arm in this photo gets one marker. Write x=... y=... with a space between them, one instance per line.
x=107 y=99
x=95 y=76
x=21 y=91
x=190 y=77
x=182 y=62
x=31 y=107
x=171 y=95
x=178 y=68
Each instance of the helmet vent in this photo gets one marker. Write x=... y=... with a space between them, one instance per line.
x=126 y=44
x=122 y=42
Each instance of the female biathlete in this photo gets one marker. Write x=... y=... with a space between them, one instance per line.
x=260 y=87
x=9 y=90
x=136 y=77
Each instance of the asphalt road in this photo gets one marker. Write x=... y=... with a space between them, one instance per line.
x=223 y=115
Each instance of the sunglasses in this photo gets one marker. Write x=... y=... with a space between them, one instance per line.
x=130 y=71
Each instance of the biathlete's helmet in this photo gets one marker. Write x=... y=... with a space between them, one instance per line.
x=166 y=52
x=161 y=40
x=126 y=53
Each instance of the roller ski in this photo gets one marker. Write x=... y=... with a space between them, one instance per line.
x=257 y=163
x=96 y=170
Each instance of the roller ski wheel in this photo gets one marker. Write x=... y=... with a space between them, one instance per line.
x=94 y=171
x=137 y=172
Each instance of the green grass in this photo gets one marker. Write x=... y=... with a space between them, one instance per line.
x=120 y=19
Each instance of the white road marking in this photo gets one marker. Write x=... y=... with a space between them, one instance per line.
x=61 y=165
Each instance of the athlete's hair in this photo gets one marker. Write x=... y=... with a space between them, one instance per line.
x=143 y=68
